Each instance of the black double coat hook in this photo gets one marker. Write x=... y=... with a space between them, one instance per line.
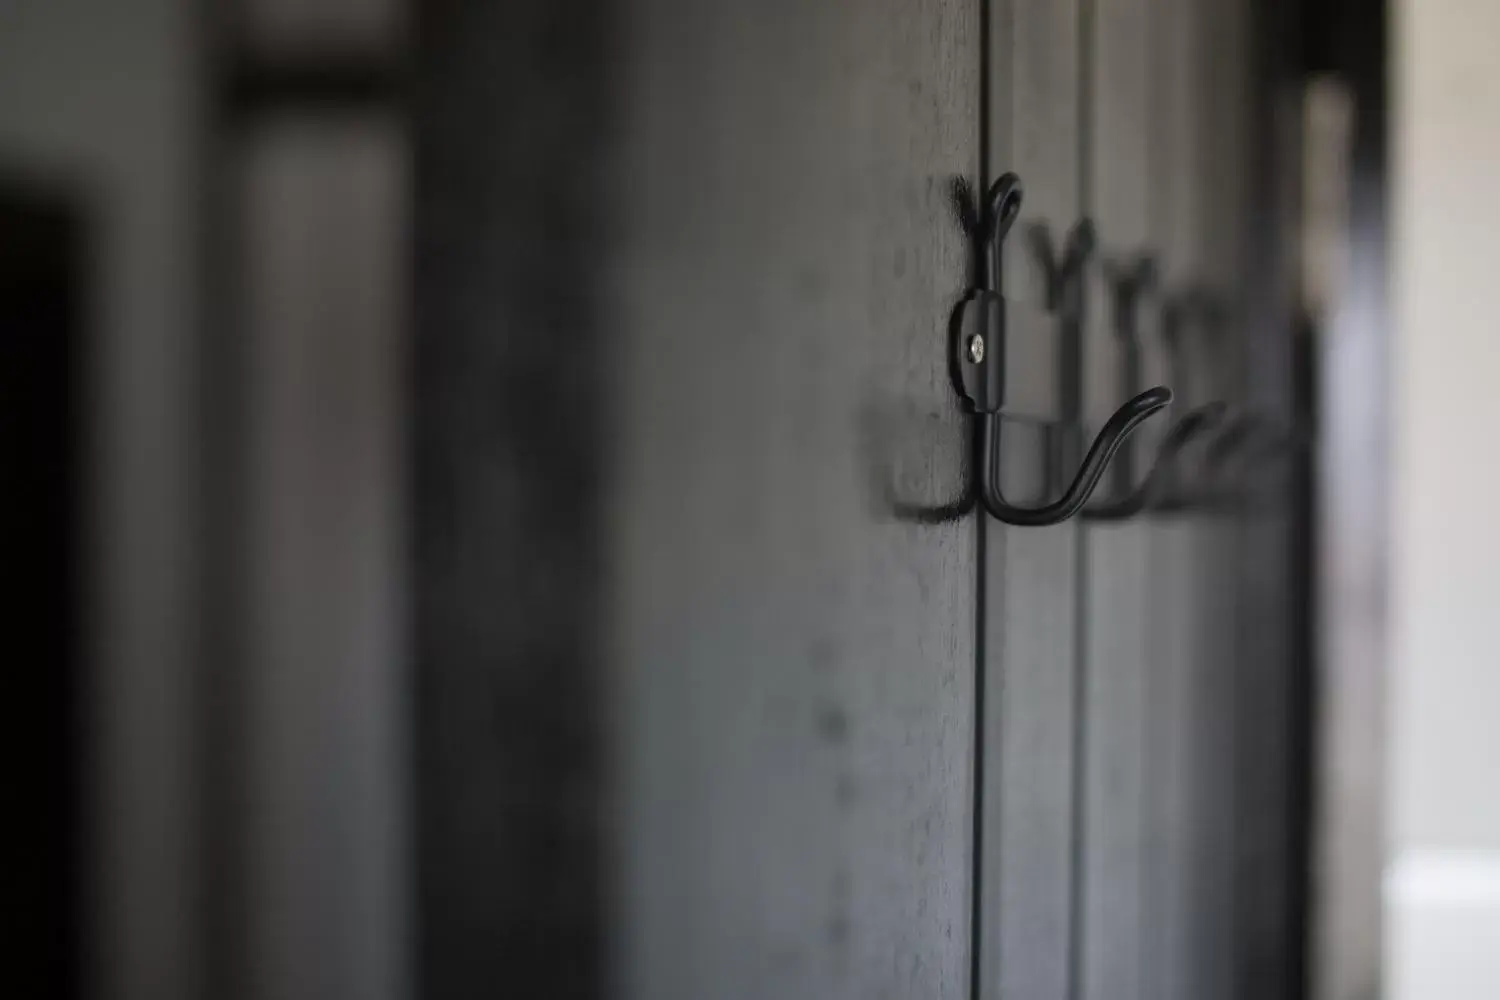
x=1012 y=362
x=989 y=335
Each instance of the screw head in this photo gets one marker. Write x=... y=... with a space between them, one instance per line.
x=976 y=348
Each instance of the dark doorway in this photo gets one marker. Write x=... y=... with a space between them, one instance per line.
x=40 y=316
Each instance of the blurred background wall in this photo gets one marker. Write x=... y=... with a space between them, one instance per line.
x=1443 y=876
x=236 y=172
x=305 y=699
x=99 y=106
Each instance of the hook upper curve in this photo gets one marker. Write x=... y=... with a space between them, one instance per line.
x=1119 y=426
x=1002 y=204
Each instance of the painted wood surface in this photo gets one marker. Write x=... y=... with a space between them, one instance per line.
x=789 y=664
x=728 y=265
x=1119 y=586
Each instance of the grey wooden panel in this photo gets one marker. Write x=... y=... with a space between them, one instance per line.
x=1193 y=831
x=790 y=666
x=1031 y=573
x=515 y=113
x=1170 y=863
x=1118 y=584
x=1220 y=52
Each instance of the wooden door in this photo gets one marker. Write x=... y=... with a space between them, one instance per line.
x=702 y=712
x=791 y=664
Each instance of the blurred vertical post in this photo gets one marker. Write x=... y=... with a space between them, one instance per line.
x=308 y=829
x=324 y=687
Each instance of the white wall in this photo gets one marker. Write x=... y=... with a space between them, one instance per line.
x=1443 y=877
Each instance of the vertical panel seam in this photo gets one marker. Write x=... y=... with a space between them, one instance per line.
x=1078 y=772
x=976 y=874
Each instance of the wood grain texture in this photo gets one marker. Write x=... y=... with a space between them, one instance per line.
x=1031 y=573
x=790 y=666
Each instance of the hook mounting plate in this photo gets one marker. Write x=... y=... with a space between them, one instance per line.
x=1014 y=371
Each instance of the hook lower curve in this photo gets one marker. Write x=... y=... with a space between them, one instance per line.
x=1119 y=426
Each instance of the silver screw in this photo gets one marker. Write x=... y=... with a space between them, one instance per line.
x=976 y=348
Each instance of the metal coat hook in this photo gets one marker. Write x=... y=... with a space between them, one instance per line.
x=1001 y=356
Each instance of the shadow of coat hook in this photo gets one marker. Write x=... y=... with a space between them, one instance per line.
x=1252 y=442
x=1248 y=446
x=1246 y=443
x=1130 y=282
x=966 y=212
